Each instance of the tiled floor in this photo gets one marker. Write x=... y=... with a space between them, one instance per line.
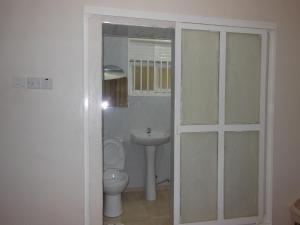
x=138 y=211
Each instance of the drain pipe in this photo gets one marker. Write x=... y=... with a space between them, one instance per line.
x=163 y=181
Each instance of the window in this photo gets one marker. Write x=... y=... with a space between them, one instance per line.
x=150 y=69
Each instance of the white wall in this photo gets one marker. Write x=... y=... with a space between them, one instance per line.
x=41 y=148
x=41 y=154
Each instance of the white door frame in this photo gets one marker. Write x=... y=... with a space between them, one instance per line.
x=92 y=120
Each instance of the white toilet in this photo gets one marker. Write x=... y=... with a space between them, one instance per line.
x=114 y=178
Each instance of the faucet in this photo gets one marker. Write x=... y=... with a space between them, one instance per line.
x=148 y=130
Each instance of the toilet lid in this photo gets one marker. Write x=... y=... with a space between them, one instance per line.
x=114 y=157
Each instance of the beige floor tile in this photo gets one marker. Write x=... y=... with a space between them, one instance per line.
x=148 y=222
x=138 y=211
x=161 y=221
x=158 y=210
x=163 y=195
x=133 y=196
x=134 y=211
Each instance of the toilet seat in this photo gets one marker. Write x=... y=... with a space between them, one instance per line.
x=114 y=156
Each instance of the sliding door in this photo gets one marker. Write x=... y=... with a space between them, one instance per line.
x=220 y=112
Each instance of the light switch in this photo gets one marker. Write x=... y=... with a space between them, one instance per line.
x=46 y=83
x=33 y=82
x=19 y=82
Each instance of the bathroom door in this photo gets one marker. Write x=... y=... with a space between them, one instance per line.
x=219 y=150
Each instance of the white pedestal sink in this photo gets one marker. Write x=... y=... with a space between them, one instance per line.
x=150 y=141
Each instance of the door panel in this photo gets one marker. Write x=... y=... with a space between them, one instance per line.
x=220 y=111
x=243 y=68
x=241 y=174
x=199 y=166
x=200 y=77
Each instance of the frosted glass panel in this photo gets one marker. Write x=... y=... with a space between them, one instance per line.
x=200 y=75
x=241 y=174
x=198 y=177
x=243 y=62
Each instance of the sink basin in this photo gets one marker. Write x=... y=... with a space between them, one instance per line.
x=152 y=139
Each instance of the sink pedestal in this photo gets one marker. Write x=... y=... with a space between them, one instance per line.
x=150 y=184
x=150 y=140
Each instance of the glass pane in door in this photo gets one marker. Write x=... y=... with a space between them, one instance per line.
x=200 y=77
x=241 y=174
x=198 y=177
x=243 y=69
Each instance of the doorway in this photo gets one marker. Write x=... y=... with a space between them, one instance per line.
x=206 y=131
x=136 y=107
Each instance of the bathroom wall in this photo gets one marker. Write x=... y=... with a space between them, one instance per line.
x=142 y=112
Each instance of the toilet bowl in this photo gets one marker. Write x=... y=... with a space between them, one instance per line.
x=115 y=179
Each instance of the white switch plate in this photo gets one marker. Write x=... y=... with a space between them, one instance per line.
x=19 y=82
x=46 y=83
x=33 y=82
